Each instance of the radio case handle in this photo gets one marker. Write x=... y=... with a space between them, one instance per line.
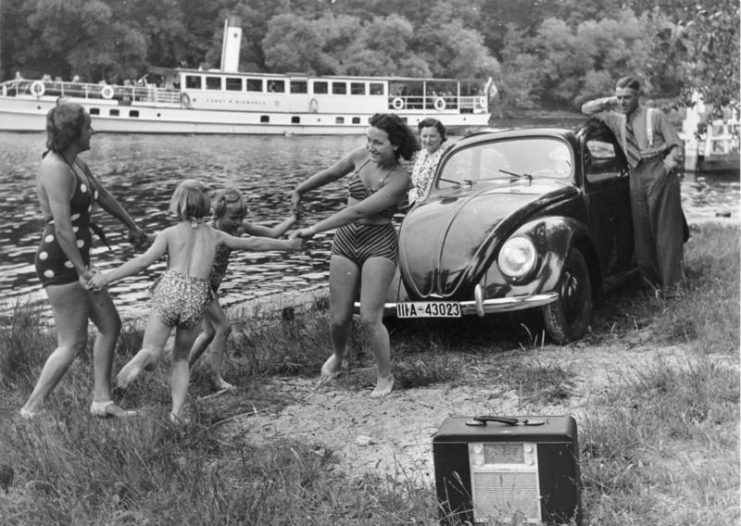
x=511 y=421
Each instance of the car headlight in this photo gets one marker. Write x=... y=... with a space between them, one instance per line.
x=517 y=257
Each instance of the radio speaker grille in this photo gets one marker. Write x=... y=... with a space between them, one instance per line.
x=503 y=494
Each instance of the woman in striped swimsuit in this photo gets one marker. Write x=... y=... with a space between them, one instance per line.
x=365 y=246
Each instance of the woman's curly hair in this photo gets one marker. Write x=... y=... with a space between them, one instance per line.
x=400 y=135
x=64 y=125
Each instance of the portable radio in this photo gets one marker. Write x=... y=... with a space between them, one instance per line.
x=507 y=470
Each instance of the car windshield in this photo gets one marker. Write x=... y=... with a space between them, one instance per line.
x=527 y=158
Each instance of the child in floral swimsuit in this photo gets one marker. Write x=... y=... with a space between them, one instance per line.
x=182 y=294
x=229 y=212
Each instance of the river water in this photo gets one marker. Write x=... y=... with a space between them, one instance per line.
x=142 y=171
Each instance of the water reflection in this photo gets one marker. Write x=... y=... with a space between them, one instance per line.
x=142 y=172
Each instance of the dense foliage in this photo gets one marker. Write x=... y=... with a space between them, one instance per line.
x=539 y=52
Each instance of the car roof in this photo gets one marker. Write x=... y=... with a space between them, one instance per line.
x=490 y=134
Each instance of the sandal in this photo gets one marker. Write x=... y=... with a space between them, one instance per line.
x=109 y=409
x=28 y=415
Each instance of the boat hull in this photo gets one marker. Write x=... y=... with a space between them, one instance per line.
x=21 y=114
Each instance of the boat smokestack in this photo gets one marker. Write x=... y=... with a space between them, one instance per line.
x=231 y=44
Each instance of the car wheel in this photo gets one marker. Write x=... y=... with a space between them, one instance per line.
x=567 y=318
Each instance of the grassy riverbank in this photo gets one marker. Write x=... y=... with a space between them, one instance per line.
x=658 y=444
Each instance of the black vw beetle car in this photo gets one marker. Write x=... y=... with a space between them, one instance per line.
x=518 y=219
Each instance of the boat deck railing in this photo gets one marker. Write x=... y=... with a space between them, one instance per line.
x=83 y=90
x=462 y=104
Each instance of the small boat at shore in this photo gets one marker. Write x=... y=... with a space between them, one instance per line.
x=226 y=101
x=718 y=151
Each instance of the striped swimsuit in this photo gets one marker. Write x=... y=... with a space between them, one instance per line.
x=358 y=242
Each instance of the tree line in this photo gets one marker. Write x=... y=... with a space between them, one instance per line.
x=540 y=53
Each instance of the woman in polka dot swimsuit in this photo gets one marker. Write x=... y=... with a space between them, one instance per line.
x=67 y=191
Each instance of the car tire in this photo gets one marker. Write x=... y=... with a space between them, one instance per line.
x=567 y=318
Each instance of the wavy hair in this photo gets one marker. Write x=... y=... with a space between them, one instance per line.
x=190 y=201
x=400 y=135
x=433 y=123
x=64 y=125
x=630 y=83
x=229 y=196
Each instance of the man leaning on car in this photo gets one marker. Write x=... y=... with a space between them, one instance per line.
x=652 y=148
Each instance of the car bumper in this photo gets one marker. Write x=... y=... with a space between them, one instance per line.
x=481 y=306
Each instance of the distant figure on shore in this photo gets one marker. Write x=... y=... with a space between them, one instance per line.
x=433 y=139
x=365 y=246
x=183 y=292
x=229 y=214
x=67 y=192
x=652 y=148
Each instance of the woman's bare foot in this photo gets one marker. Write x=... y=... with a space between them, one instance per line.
x=131 y=371
x=330 y=370
x=383 y=386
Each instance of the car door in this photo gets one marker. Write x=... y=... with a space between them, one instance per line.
x=608 y=197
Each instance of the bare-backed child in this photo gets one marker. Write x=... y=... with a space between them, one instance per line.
x=183 y=292
x=229 y=212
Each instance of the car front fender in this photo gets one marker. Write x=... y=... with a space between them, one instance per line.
x=553 y=238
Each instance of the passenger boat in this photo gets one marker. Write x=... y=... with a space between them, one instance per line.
x=197 y=101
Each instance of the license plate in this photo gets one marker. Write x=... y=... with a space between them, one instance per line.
x=428 y=309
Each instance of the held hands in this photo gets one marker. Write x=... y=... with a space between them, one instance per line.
x=305 y=233
x=97 y=282
x=85 y=276
x=138 y=237
x=295 y=242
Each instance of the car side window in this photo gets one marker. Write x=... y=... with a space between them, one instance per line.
x=602 y=161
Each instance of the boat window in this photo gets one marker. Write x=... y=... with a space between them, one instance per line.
x=113 y=113
x=276 y=86
x=356 y=120
x=339 y=88
x=339 y=120
x=134 y=113
x=321 y=88
x=193 y=81
x=254 y=84
x=295 y=119
x=213 y=83
x=233 y=84
x=94 y=111
x=376 y=88
x=299 y=86
x=264 y=118
x=357 y=88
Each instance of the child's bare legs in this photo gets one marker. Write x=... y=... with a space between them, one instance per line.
x=216 y=328
x=344 y=276
x=184 y=339
x=155 y=337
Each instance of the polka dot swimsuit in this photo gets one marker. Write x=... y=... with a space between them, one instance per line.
x=52 y=265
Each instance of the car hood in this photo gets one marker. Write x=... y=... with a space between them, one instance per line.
x=444 y=242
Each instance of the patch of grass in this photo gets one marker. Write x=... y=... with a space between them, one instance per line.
x=706 y=315
x=670 y=428
x=659 y=445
